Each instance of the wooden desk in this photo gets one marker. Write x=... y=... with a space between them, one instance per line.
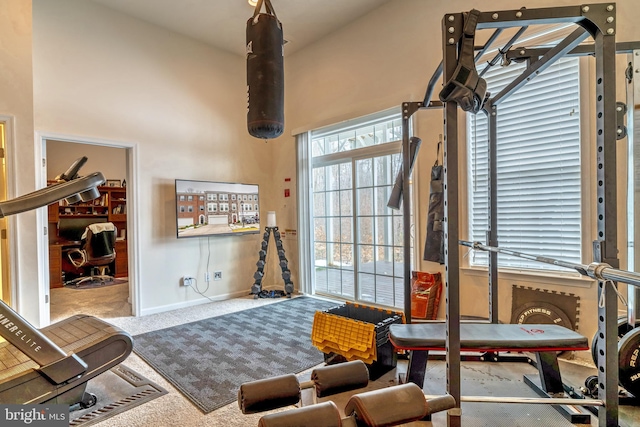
x=55 y=266
x=58 y=258
x=121 y=266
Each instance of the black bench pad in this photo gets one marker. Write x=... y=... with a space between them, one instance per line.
x=488 y=337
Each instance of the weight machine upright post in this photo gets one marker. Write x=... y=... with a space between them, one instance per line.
x=492 y=233
x=452 y=25
x=633 y=182
x=408 y=109
x=605 y=246
x=406 y=209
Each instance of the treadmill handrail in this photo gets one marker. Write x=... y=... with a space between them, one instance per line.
x=29 y=340
x=53 y=193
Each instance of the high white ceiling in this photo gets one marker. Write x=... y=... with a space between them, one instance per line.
x=222 y=23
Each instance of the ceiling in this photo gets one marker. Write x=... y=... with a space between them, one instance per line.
x=222 y=23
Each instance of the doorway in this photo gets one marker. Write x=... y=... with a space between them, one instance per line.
x=5 y=287
x=108 y=298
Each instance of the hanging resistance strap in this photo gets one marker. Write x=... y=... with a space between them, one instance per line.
x=434 y=244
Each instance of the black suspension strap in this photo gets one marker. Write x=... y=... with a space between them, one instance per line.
x=466 y=87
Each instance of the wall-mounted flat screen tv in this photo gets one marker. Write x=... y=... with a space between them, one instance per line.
x=206 y=208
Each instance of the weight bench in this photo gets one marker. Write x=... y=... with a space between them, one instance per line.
x=544 y=340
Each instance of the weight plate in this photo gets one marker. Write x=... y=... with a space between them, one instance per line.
x=594 y=348
x=623 y=328
x=629 y=360
x=542 y=312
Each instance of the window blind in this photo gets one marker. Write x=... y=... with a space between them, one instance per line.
x=538 y=167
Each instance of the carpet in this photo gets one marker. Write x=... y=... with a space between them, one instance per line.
x=118 y=390
x=93 y=284
x=209 y=359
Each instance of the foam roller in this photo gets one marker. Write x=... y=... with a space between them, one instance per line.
x=393 y=406
x=440 y=403
x=267 y=394
x=373 y=409
x=388 y=406
x=321 y=415
x=340 y=377
x=284 y=390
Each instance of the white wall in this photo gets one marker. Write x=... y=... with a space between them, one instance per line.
x=16 y=102
x=387 y=57
x=103 y=75
x=112 y=162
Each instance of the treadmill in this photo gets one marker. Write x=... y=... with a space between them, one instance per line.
x=54 y=364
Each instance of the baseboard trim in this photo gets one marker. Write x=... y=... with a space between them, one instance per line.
x=191 y=303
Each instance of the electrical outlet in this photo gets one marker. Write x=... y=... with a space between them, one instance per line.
x=187 y=281
x=207 y=276
x=217 y=275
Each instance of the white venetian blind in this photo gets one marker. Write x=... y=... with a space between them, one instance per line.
x=538 y=167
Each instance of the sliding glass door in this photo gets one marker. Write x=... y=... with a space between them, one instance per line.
x=357 y=240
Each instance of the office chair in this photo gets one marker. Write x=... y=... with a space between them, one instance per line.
x=97 y=253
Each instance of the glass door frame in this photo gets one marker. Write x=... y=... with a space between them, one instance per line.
x=351 y=157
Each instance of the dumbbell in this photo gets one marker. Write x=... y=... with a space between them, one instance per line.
x=288 y=287
x=286 y=275
x=284 y=390
x=256 y=288
x=389 y=406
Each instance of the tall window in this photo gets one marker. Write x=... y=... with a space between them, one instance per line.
x=357 y=246
x=538 y=167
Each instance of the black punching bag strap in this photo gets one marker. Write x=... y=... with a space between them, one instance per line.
x=265 y=73
x=465 y=86
x=267 y=6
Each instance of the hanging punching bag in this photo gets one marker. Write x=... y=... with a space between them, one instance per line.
x=265 y=73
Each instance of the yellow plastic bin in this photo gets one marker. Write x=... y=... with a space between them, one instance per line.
x=356 y=332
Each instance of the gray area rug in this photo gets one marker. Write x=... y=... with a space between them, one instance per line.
x=209 y=359
x=118 y=390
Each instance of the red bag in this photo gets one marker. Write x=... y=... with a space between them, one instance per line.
x=426 y=289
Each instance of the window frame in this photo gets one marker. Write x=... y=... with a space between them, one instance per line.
x=306 y=164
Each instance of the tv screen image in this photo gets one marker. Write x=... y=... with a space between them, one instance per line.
x=206 y=208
